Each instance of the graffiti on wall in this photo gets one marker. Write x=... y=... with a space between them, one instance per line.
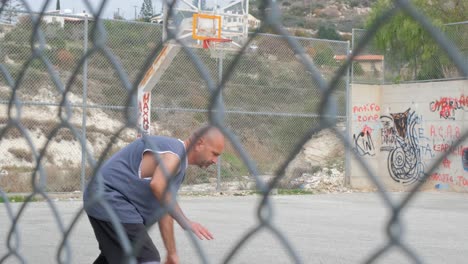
x=465 y=159
x=443 y=139
x=363 y=143
x=387 y=133
x=366 y=112
x=400 y=137
x=446 y=178
x=446 y=106
x=366 y=118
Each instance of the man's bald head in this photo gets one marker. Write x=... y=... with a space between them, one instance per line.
x=207 y=132
x=208 y=144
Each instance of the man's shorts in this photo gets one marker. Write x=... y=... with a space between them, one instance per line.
x=110 y=246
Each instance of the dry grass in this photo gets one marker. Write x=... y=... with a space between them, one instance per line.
x=58 y=179
x=63 y=179
x=18 y=179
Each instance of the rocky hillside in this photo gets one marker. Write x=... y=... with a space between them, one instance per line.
x=319 y=166
x=343 y=15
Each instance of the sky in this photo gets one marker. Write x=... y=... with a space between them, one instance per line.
x=125 y=8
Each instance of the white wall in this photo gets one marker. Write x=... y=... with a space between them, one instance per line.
x=400 y=130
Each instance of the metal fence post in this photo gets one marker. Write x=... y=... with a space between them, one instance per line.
x=221 y=108
x=353 y=36
x=383 y=70
x=85 y=95
x=347 y=178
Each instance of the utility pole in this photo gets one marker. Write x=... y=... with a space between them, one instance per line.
x=135 y=7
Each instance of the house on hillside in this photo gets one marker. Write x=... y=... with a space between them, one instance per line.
x=229 y=22
x=157 y=19
x=65 y=16
x=254 y=23
x=73 y=23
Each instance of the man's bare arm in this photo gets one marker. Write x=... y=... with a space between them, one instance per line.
x=166 y=227
x=158 y=184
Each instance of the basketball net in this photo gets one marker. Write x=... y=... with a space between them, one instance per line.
x=217 y=46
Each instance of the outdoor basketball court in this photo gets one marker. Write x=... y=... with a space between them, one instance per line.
x=326 y=228
x=322 y=228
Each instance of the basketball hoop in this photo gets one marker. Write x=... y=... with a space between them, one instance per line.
x=217 y=46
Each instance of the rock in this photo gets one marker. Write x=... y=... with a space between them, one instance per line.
x=319 y=166
x=331 y=12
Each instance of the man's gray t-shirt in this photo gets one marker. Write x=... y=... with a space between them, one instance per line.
x=130 y=196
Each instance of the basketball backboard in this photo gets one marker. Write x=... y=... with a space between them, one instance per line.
x=192 y=21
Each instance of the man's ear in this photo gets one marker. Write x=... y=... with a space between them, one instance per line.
x=200 y=142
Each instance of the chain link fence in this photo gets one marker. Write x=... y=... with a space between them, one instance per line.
x=270 y=99
x=376 y=64
x=276 y=97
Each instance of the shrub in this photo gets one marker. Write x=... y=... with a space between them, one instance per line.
x=357 y=69
x=325 y=56
x=328 y=32
x=22 y=154
x=65 y=58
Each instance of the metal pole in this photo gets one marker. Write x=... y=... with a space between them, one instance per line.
x=383 y=70
x=353 y=36
x=164 y=17
x=347 y=179
x=220 y=108
x=85 y=95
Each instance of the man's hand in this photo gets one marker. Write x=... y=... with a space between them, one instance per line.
x=172 y=259
x=200 y=231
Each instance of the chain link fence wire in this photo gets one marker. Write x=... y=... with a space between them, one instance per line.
x=269 y=99
x=72 y=89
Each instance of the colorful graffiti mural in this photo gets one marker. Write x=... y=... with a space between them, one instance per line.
x=404 y=160
x=392 y=127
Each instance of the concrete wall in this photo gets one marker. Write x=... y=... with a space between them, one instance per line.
x=400 y=130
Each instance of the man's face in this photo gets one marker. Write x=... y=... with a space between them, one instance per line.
x=208 y=151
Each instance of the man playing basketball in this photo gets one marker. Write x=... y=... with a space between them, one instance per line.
x=137 y=182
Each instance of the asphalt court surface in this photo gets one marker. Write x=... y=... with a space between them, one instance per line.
x=325 y=228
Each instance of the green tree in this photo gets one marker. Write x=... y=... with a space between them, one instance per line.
x=325 y=56
x=328 y=32
x=254 y=9
x=450 y=10
x=146 y=11
x=403 y=38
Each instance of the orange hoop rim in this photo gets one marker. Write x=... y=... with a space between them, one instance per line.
x=207 y=41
